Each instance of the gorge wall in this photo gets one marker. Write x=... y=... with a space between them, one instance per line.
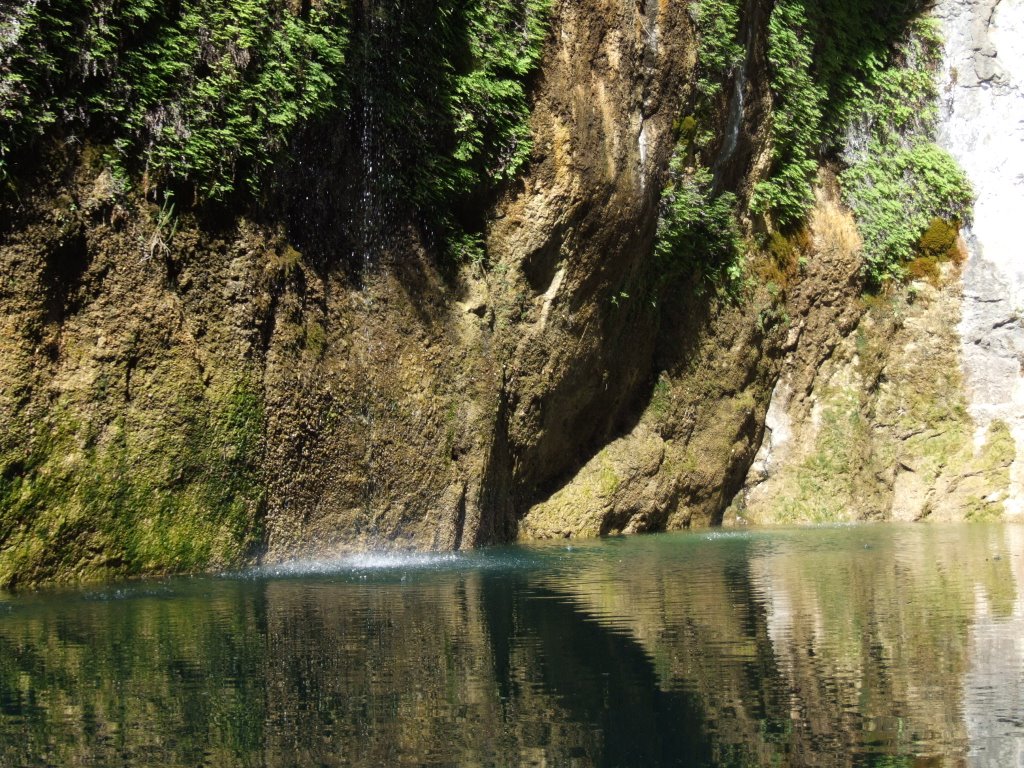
x=188 y=384
x=917 y=414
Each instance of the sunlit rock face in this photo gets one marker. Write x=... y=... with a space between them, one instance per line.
x=880 y=426
x=983 y=127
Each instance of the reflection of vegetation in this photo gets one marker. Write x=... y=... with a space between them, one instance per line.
x=131 y=677
x=835 y=648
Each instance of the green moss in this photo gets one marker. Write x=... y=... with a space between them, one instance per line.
x=451 y=428
x=940 y=240
x=783 y=250
x=687 y=129
x=137 y=495
x=925 y=268
x=315 y=338
x=608 y=482
x=825 y=479
x=284 y=261
x=993 y=462
x=1000 y=449
x=661 y=398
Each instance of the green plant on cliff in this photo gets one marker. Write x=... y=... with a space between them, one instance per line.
x=719 y=53
x=896 y=193
x=898 y=180
x=206 y=96
x=202 y=92
x=855 y=82
x=491 y=107
x=464 y=116
x=698 y=233
x=797 y=128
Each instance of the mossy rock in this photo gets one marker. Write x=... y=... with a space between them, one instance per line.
x=142 y=495
x=686 y=129
x=925 y=268
x=939 y=241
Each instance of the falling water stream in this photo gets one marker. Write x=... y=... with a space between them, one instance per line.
x=737 y=102
x=375 y=210
x=737 y=109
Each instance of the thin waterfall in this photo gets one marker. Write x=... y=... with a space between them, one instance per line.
x=374 y=207
x=737 y=109
x=737 y=102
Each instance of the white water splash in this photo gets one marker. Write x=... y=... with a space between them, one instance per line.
x=363 y=561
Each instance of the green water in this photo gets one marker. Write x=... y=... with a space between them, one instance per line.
x=872 y=646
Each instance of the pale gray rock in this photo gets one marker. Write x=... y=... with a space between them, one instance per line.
x=982 y=125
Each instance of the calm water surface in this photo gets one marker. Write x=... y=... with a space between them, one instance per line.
x=872 y=646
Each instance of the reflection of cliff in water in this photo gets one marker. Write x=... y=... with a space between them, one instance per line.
x=842 y=648
x=994 y=685
x=475 y=669
x=858 y=648
x=486 y=669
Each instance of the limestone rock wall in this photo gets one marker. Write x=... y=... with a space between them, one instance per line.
x=917 y=412
x=983 y=127
x=199 y=393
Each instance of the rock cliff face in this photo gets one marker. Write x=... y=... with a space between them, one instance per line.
x=181 y=392
x=178 y=399
x=917 y=413
x=983 y=127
